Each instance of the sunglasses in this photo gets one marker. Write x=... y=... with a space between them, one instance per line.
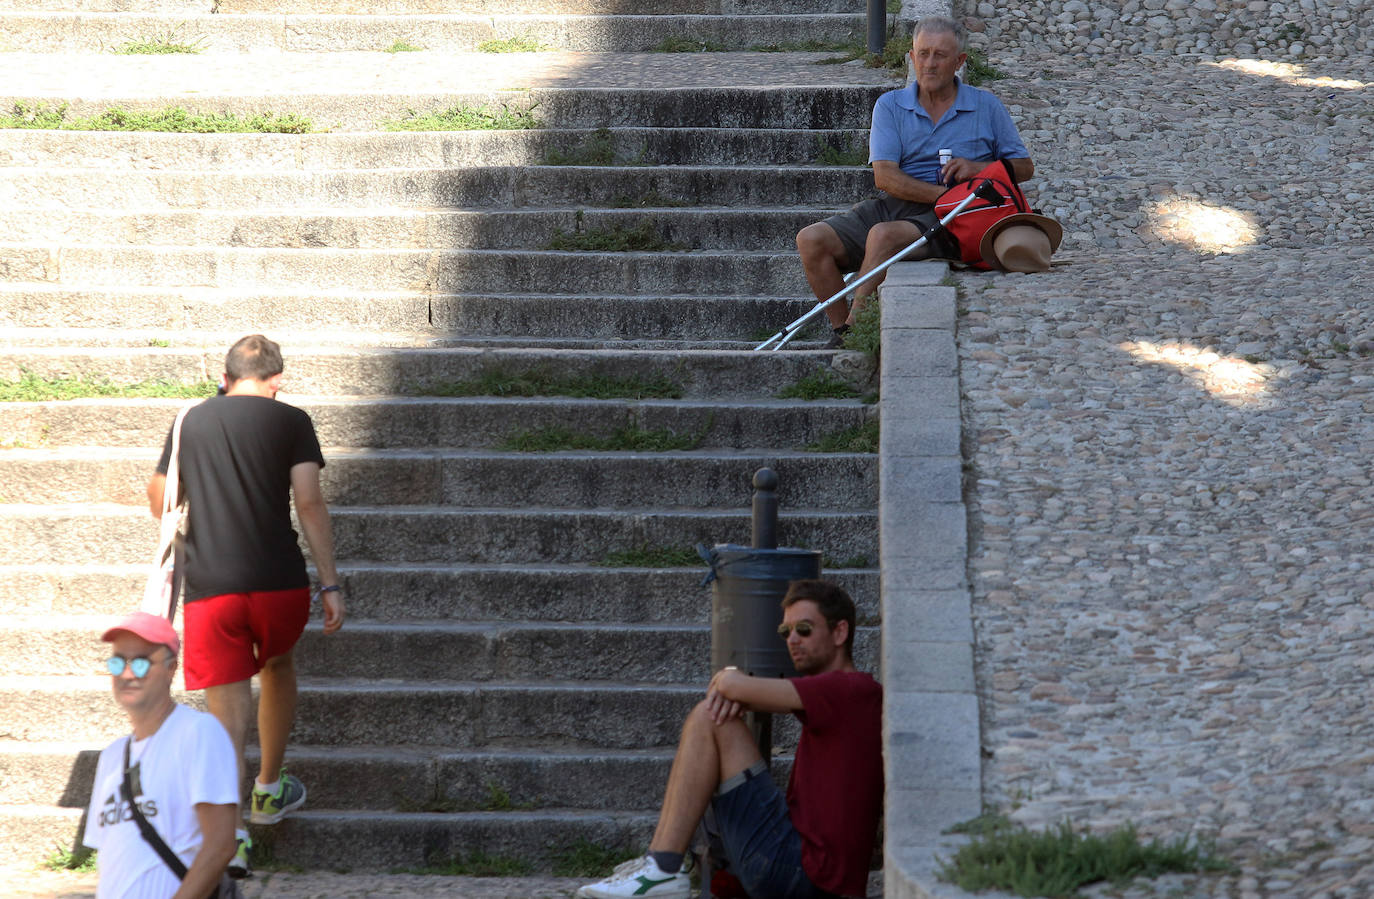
x=139 y=666
x=803 y=628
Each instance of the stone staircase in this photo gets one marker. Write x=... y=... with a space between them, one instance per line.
x=504 y=684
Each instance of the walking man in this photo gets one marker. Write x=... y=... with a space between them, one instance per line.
x=180 y=774
x=244 y=458
x=913 y=128
x=818 y=838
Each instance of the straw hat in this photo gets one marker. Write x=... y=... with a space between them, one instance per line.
x=1021 y=243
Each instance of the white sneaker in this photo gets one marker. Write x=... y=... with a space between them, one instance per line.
x=638 y=877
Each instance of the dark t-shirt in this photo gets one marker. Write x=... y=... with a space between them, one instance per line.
x=835 y=795
x=235 y=470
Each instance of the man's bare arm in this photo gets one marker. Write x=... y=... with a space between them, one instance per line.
x=732 y=693
x=889 y=177
x=313 y=514
x=216 y=848
x=156 y=486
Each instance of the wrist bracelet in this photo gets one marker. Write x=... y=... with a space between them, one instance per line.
x=332 y=588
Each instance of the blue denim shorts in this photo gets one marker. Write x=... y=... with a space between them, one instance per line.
x=764 y=848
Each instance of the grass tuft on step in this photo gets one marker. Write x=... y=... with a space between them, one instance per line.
x=79 y=859
x=542 y=382
x=630 y=438
x=821 y=384
x=32 y=388
x=1055 y=863
x=472 y=864
x=647 y=556
x=587 y=859
x=465 y=118
x=642 y=238
x=402 y=46
x=168 y=42
x=172 y=119
x=522 y=44
x=858 y=439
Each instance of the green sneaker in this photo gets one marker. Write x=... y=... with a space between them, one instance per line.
x=239 y=866
x=269 y=808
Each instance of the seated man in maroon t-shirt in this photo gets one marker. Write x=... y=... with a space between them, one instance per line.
x=816 y=841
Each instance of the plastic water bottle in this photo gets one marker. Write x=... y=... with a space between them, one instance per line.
x=945 y=156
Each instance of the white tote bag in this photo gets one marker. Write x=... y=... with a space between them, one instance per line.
x=164 y=579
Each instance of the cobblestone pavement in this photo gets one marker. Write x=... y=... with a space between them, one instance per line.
x=1171 y=438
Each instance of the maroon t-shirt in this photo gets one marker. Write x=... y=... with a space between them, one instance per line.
x=835 y=795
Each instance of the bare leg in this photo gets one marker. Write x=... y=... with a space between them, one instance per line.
x=707 y=755
x=821 y=255
x=276 y=712
x=232 y=704
x=884 y=241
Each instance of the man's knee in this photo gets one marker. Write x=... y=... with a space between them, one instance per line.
x=886 y=238
x=819 y=241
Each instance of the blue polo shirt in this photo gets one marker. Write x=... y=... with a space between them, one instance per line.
x=976 y=127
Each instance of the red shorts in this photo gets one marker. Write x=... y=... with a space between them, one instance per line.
x=229 y=637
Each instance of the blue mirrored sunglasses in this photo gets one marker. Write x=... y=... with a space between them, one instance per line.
x=139 y=666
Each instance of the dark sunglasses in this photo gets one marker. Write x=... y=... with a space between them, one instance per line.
x=139 y=666
x=804 y=628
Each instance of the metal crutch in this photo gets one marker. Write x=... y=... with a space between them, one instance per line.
x=987 y=192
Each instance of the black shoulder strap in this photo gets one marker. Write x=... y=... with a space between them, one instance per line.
x=149 y=834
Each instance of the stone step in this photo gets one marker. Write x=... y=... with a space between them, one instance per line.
x=383 y=709
x=469 y=478
x=347 y=229
x=430 y=7
x=207 y=153
x=392 y=592
x=98 y=532
x=321 y=376
x=450 y=271
x=395 y=778
x=477 y=423
x=439 y=650
x=93 y=32
x=504 y=187
x=45 y=315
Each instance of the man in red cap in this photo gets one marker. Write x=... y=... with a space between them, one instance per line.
x=178 y=766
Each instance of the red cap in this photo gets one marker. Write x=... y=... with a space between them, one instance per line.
x=153 y=628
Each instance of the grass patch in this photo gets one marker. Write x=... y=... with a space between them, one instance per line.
x=587 y=859
x=812 y=46
x=511 y=45
x=821 y=384
x=597 y=149
x=173 y=119
x=858 y=439
x=894 y=6
x=541 y=382
x=79 y=859
x=643 y=237
x=652 y=199
x=1057 y=862
x=977 y=70
x=866 y=334
x=472 y=864
x=32 y=388
x=402 y=46
x=893 y=57
x=688 y=45
x=159 y=44
x=498 y=800
x=465 y=118
x=851 y=562
x=646 y=556
x=830 y=154
x=630 y=438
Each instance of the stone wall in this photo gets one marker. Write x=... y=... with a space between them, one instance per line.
x=1295 y=31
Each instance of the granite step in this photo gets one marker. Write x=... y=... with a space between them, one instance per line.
x=45 y=315
x=406 y=592
x=631 y=145
x=98 y=532
x=343 y=228
x=461 y=478
x=814 y=186
x=94 y=32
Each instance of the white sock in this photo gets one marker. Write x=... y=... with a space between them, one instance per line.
x=267 y=788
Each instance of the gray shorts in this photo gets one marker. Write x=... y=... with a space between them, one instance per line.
x=853 y=226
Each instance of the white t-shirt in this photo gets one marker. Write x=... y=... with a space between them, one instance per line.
x=189 y=760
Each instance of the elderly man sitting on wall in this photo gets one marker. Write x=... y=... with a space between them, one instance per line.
x=911 y=125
